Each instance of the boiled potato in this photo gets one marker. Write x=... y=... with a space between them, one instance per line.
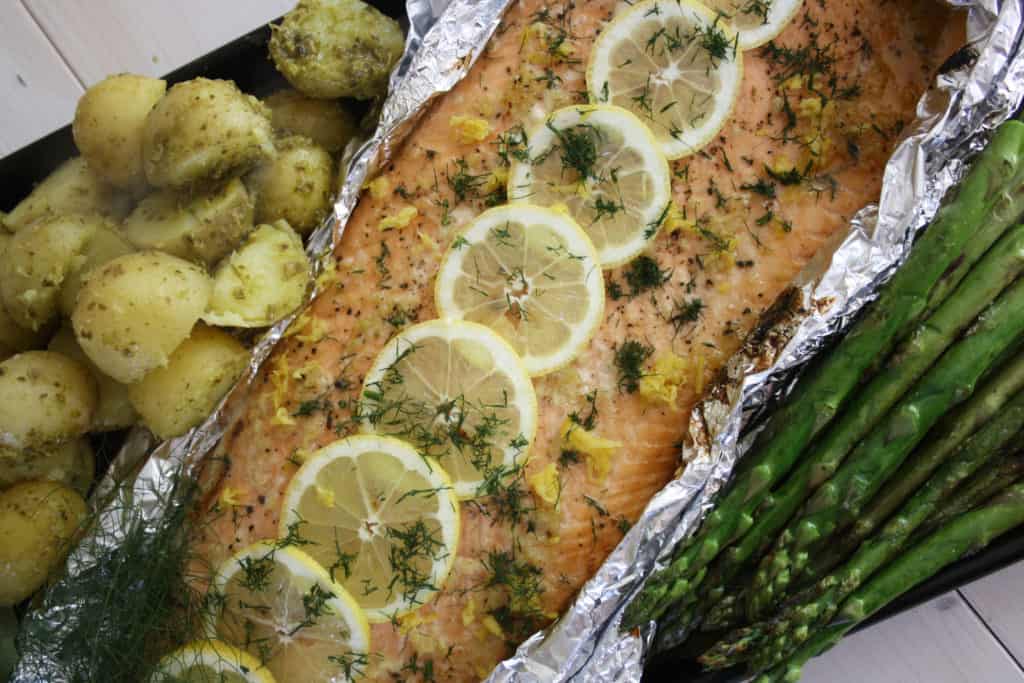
x=204 y=130
x=337 y=48
x=114 y=410
x=38 y=522
x=45 y=398
x=295 y=185
x=37 y=261
x=108 y=127
x=203 y=228
x=72 y=464
x=72 y=189
x=177 y=397
x=264 y=280
x=134 y=311
x=106 y=244
x=13 y=337
x=325 y=122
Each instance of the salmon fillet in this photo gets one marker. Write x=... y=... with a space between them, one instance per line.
x=819 y=112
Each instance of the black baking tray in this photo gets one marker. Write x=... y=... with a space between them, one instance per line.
x=246 y=61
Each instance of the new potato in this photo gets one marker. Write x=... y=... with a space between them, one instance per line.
x=108 y=125
x=337 y=48
x=204 y=130
x=72 y=464
x=113 y=410
x=201 y=227
x=106 y=244
x=135 y=310
x=45 y=398
x=325 y=122
x=35 y=264
x=177 y=397
x=13 y=337
x=72 y=189
x=295 y=185
x=264 y=280
x=38 y=521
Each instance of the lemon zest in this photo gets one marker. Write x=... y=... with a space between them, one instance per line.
x=469 y=129
x=492 y=625
x=379 y=187
x=546 y=484
x=282 y=417
x=598 y=450
x=230 y=496
x=469 y=612
x=399 y=220
x=428 y=241
x=663 y=382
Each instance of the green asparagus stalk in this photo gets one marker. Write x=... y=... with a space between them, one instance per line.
x=983 y=486
x=837 y=503
x=941 y=443
x=963 y=536
x=772 y=639
x=981 y=200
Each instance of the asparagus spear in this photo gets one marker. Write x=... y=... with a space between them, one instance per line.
x=982 y=486
x=980 y=200
x=1007 y=380
x=965 y=535
x=837 y=503
x=772 y=639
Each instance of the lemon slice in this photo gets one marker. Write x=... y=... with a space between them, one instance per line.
x=210 y=661
x=457 y=392
x=383 y=519
x=673 y=63
x=531 y=275
x=606 y=169
x=755 y=22
x=276 y=603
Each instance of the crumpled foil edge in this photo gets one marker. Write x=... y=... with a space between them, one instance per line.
x=954 y=121
x=142 y=485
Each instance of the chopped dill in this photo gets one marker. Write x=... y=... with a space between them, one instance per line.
x=382 y=264
x=589 y=420
x=606 y=208
x=412 y=554
x=426 y=669
x=460 y=242
x=792 y=176
x=629 y=360
x=464 y=185
x=757 y=8
x=512 y=145
x=717 y=44
x=761 y=187
x=579 y=149
x=310 y=407
x=522 y=581
x=643 y=274
x=686 y=312
x=352 y=664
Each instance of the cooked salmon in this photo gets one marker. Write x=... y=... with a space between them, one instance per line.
x=819 y=112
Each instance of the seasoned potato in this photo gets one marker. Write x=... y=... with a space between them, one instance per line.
x=114 y=410
x=264 y=280
x=13 y=337
x=72 y=189
x=295 y=185
x=72 y=464
x=106 y=244
x=134 y=311
x=337 y=48
x=45 y=398
x=108 y=126
x=38 y=522
x=177 y=397
x=204 y=130
x=202 y=228
x=325 y=122
x=37 y=261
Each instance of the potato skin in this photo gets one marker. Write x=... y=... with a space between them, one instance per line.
x=36 y=263
x=177 y=397
x=337 y=48
x=264 y=280
x=295 y=185
x=325 y=122
x=13 y=337
x=72 y=189
x=113 y=410
x=204 y=130
x=201 y=227
x=45 y=398
x=108 y=125
x=38 y=522
x=134 y=311
x=106 y=244
x=72 y=464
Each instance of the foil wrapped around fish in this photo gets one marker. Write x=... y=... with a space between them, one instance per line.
x=143 y=492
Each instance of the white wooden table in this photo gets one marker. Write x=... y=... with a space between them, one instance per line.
x=50 y=50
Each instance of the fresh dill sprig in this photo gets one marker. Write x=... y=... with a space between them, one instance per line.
x=629 y=360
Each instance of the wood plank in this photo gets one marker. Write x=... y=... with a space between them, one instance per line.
x=101 y=37
x=37 y=90
x=999 y=599
x=942 y=641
